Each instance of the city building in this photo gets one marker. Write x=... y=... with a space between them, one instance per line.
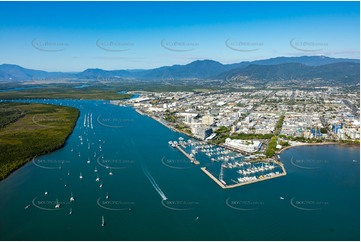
x=201 y=131
x=249 y=146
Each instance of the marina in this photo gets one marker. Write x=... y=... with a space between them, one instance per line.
x=249 y=169
x=191 y=158
x=243 y=181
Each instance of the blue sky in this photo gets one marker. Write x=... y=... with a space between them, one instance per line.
x=73 y=36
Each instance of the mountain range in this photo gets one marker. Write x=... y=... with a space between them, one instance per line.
x=274 y=69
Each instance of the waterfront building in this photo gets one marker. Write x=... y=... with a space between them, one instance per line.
x=336 y=128
x=201 y=131
x=249 y=146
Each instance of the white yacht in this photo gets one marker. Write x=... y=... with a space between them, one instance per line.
x=103 y=222
x=57 y=205
x=72 y=197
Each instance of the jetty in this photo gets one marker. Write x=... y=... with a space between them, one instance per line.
x=192 y=159
x=224 y=186
x=204 y=169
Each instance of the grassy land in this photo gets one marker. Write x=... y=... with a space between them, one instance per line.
x=40 y=130
x=65 y=93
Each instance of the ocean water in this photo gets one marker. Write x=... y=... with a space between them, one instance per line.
x=141 y=198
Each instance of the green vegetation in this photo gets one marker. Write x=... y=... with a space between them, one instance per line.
x=183 y=128
x=279 y=124
x=158 y=86
x=301 y=139
x=65 y=93
x=284 y=143
x=271 y=148
x=222 y=134
x=170 y=116
x=350 y=142
x=39 y=130
x=323 y=131
x=9 y=114
x=200 y=90
x=222 y=130
x=251 y=136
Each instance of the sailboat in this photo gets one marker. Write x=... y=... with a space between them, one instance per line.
x=81 y=176
x=97 y=179
x=103 y=221
x=72 y=198
x=57 y=205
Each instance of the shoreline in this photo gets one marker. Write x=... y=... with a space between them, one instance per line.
x=44 y=152
x=315 y=144
x=273 y=159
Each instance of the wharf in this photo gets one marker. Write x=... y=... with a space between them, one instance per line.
x=204 y=169
x=192 y=159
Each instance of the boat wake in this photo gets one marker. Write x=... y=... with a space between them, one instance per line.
x=153 y=182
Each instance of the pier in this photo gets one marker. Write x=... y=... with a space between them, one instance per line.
x=192 y=159
x=204 y=169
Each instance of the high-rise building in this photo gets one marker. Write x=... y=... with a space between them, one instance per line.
x=201 y=131
x=336 y=128
x=188 y=119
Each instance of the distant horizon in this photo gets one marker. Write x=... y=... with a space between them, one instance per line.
x=140 y=69
x=74 y=36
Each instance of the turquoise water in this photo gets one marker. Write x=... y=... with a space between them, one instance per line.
x=317 y=200
x=82 y=86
